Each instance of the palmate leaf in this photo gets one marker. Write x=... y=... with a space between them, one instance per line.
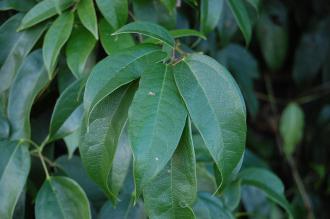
x=29 y=82
x=44 y=10
x=61 y=197
x=100 y=139
x=172 y=193
x=149 y=29
x=156 y=119
x=14 y=170
x=14 y=48
x=216 y=108
x=116 y=70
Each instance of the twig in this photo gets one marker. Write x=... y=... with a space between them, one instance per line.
x=295 y=173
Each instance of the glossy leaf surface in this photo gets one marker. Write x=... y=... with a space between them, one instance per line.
x=55 y=38
x=14 y=170
x=112 y=44
x=100 y=139
x=114 y=11
x=66 y=105
x=87 y=15
x=156 y=120
x=242 y=18
x=30 y=80
x=44 y=10
x=149 y=29
x=117 y=70
x=268 y=183
x=172 y=193
x=61 y=197
x=78 y=49
x=210 y=14
x=216 y=108
x=14 y=48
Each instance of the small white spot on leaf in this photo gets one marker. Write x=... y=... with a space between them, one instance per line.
x=151 y=93
x=156 y=158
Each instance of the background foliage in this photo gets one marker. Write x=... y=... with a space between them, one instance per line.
x=277 y=51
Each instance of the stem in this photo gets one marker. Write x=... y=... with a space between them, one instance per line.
x=43 y=164
x=29 y=142
x=301 y=188
x=297 y=178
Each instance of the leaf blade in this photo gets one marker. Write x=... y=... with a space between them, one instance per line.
x=198 y=79
x=55 y=38
x=61 y=196
x=149 y=29
x=115 y=12
x=21 y=96
x=42 y=11
x=172 y=193
x=15 y=164
x=242 y=18
x=87 y=14
x=117 y=70
x=157 y=114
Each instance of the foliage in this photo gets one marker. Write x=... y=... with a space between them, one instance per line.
x=109 y=109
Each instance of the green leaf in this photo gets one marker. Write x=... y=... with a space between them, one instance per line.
x=117 y=70
x=100 y=139
x=243 y=20
x=87 y=16
x=273 y=35
x=55 y=38
x=155 y=12
x=14 y=170
x=244 y=68
x=209 y=206
x=114 y=11
x=209 y=14
x=227 y=26
x=172 y=193
x=307 y=62
x=61 y=197
x=44 y=10
x=186 y=33
x=30 y=80
x=121 y=162
x=268 y=183
x=255 y=4
x=67 y=104
x=123 y=210
x=216 y=108
x=112 y=44
x=169 y=4
x=72 y=141
x=232 y=195
x=14 y=48
x=4 y=126
x=79 y=48
x=73 y=168
x=156 y=120
x=148 y=29
x=292 y=127
x=18 y=5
